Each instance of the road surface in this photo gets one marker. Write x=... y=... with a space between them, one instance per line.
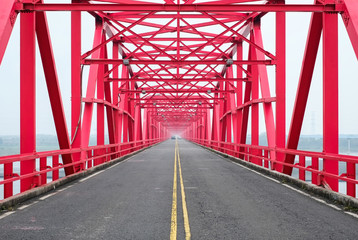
x=139 y=199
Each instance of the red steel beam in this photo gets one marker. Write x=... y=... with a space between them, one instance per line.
x=330 y=95
x=173 y=91
x=178 y=80
x=181 y=7
x=280 y=84
x=350 y=18
x=100 y=106
x=7 y=20
x=254 y=96
x=175 y=62
x=27 y=96
x=76 y=85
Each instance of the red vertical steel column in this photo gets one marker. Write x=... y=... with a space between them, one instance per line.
x=27 y=95
x=198 y=127
x=351 y=22
x=195 y=130
x=245 y=117
x=100 y=107
x=229 y=107
x=254 y=106
x=145 y=126
x=115 y=89
x=150 y=124
x=76 y=84
x=237 y=133
x=222 y=108
x=208 y=127
x=203 y=129
x=124 y=106
x=216 y=123
x=131 y=112
x=159 y=130
x=280 y=84
x=118 y=115
x=330 y=94
x=6 y=27
x=137 y=122
x=155 y=128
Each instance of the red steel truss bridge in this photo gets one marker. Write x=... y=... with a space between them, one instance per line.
x=163 y=68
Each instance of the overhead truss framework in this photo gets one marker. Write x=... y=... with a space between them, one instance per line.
x=180 y=66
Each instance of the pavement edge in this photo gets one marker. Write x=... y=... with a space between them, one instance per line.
x=337 y=198
x=22 y=197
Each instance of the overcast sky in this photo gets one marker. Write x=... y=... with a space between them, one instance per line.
x=297 y=27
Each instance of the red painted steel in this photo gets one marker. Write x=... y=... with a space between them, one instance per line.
x=330 y=94
x=280 y=84
x=7 y=20
x=76 y=85
x=27 y=96
x=195 y=69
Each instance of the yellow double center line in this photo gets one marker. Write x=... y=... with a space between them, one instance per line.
x=173 y=229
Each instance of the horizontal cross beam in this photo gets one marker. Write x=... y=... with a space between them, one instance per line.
x=176 y=99
x=176 y=62
x=181 y=8
x=178 y=80
x=176 y=91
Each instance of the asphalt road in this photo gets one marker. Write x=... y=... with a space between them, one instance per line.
x=134 y=200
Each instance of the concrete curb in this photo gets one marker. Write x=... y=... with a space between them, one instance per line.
x=22 y=197
x=337 y=198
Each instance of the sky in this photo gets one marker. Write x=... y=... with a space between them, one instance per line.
x=297 y=28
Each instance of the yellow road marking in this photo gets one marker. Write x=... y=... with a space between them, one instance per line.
x=173 y=228
x=185 y=210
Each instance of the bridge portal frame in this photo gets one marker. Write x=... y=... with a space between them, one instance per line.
x=132 y=125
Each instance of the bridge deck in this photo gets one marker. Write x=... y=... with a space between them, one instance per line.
x=133 y=200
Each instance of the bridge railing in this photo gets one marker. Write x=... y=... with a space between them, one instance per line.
x=308 y=165
x=49 y=163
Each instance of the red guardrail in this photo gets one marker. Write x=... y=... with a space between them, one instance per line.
x=94 y=156
x=260 y=155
